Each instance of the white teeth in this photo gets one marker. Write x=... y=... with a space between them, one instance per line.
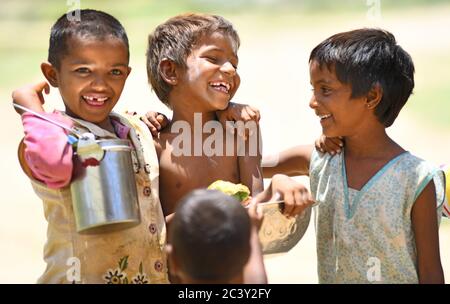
x=324 y=116
x=95 y=99
x=222 y=83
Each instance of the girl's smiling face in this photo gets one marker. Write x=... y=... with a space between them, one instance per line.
x=210 y=79
x=339 y=113
x=91 y=77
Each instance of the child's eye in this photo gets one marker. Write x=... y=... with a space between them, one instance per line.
x=116 y=72
x=211 y=59
x=82 y=70
x=325 y=91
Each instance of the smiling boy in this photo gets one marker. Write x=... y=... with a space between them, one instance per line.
x=88 y=63
x=192 y=67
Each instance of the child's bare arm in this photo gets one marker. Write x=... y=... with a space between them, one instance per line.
x=250 y=170
x=292 y=162
x=46 y=150
x=30 y=96
x=254 y=270
x=425 y=226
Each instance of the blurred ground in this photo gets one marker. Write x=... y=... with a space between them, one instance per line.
x=273 y=68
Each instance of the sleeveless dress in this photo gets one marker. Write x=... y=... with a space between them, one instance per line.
x=366 y=236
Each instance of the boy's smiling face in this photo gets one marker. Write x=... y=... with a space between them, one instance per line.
x=339 y=113
x=91 y=77
x=210 y=79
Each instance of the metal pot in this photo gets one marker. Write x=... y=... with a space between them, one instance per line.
x=279 y=234
x=104 y=196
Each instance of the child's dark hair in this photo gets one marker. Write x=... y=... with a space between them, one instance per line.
x=210 y=236
x=91 y=24
x=366 y=57
x=175 y=39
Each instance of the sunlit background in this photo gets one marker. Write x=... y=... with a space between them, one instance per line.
x=277 y=36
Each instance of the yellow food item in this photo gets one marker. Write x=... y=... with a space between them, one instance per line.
x=238 y=191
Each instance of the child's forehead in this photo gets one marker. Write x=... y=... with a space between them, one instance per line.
x=111 y=48
x=327 y=72
x=216 y=40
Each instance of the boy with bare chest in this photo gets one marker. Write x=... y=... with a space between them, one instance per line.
x=192 y=66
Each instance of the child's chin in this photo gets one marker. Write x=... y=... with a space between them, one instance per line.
x=329 y=133
x=221 y=106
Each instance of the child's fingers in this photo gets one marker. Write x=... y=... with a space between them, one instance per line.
x=256 y=113
x=150 y=126
x=289 y=203
x=151 y=116
x=330 y=147
x=252 y=113
x=255 y=213
x=162 y=120
x=318 y=144
x=245 y=115
x=41 y=86
x=299 y=202
x=337 y=141
x=46 y=87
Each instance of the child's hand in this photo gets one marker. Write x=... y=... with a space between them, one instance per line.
x=256 y=216
x=331 y=145
x=238 y=112
x=155 y=121
x=30 y=96
x=296 y=197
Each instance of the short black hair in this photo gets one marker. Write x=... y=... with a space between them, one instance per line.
x=90 y=24
x=210 y=236
x=366 y=57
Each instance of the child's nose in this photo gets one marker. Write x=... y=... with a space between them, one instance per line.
x=98 y=83
x=313 y=102
x=228 y=68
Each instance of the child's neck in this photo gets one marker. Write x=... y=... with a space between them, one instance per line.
x=373 y=144
x=107 y=125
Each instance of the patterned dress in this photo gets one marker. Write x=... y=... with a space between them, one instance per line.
x=135 y=255
x=366 y=236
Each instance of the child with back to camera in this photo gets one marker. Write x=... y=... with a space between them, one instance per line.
x=210 y=239
x=379 y=205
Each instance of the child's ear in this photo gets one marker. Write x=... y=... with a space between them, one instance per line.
x=374 y=96
x=168 y=71
x=50 y=74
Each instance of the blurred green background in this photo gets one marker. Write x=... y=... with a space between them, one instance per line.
x=25 y=28
x=276 y=36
